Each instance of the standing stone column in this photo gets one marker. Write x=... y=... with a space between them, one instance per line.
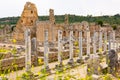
x=97 y=40
x=88 y=43
x=5 y=34
x=100 y=41
x=117 y=44
x=46 y=50
x=51 y=16
x=113 y=40
x=2 y=35
x=109 y=38
x=109 y=46
x=80 y=47
x=71 y=48
x=34 y=49
x=28 y=50
x=66 y=19
x=53 y=33
x=105 y=41
x=60 y=47
x=94 y=43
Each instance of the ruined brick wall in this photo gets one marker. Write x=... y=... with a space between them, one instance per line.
x=66 y=19
x=41 y=27
x=117 y=32
x=94 y=27
x=28 y=19
x=51 y=16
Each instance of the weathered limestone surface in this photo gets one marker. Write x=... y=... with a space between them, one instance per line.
x=93 y=65
x=47 y=25
x=66 y=19
x=11 y=62
x=42 y=26
x=113 y=61
x=51 y=17
x=28 y=19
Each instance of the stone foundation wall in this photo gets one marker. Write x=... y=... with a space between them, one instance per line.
x=14 y=62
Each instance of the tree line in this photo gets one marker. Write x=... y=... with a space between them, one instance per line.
x=112 y=20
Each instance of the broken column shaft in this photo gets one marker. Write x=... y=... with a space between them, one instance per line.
x=28 y=50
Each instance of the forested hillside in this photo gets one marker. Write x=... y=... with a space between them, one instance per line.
x=112 y=20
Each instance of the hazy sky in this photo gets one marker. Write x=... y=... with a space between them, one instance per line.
x=79 y=7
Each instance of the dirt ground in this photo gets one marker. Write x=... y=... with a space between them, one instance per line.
x=79 y=71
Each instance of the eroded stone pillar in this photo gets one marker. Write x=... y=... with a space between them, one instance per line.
x=113 y=40
x=51 y=16
x=46 y=50
x=28 y=50
x=66 y=19
x=117 y=44
x=60 y=47
x=105 y=41
x=88 y=42
x=80 y=44
x=94 y=43
x=100 y=41
x=80 y=47
x=71 y=48
x=109 y=39
x=34 y=49
x=34 y=45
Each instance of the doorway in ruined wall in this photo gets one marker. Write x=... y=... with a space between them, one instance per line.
x=64 y=33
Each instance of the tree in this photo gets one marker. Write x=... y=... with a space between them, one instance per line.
x=100 y=23
x=114 y=27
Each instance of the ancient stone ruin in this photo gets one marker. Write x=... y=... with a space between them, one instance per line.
x=28 y=19
x=50 y=41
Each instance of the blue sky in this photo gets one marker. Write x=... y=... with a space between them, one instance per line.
x=79 y=7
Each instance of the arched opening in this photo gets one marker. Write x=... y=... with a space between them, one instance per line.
x=21 y=21
x=64 y=33
x=31 y=21
x=74 y=33
x=31 y=12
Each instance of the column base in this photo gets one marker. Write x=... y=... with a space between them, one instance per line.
x=28 y=75
x=71 y=62
x=46 y=70
x=80 y=61
x=87 y=57
x=59 y=66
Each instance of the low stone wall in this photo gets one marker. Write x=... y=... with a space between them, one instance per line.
x=14 y=62
x=5 y=55
x=53 y=56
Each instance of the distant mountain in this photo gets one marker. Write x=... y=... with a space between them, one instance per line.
x=112 y=20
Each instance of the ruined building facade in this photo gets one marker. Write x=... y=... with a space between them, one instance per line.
x=29 y=19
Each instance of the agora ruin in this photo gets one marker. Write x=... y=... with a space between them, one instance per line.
x=46 y=50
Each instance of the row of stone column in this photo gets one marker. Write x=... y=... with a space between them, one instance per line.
x=30 y=49
x=102 y=41
x=71 y=40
